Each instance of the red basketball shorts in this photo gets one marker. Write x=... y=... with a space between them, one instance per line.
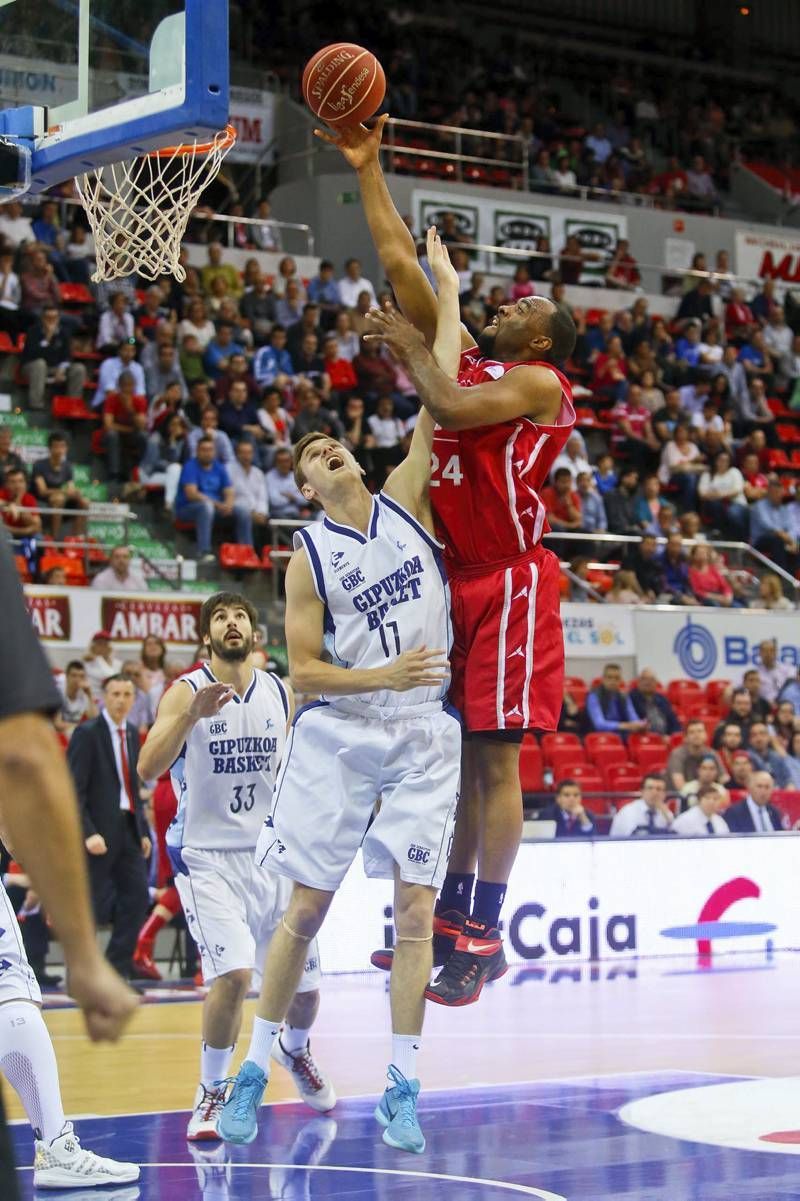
x=508 y=645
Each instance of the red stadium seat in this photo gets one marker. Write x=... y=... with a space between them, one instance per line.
x=787 y=433
x=675 y=739
x=73 y=408
x=73 y=568
x=530 y=767
x=788 y=801
x=75 y=294
x=550 y=741
x=601 y=738
x=563 y=758
x=236 y=555
x=679 y=690
x=623 y=778
x=651 y=758
x=585 y=774
x=23 y=571
x=605 y=756
x=577 y=688
x=714 y=691
x=646 y=738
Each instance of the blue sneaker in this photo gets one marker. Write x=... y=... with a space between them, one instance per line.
x=238 y=1122
x=397 y=1113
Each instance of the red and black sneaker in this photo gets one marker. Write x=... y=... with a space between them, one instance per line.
x=477 y=958
x=446 y=928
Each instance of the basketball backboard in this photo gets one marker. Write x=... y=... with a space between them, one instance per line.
x=124 y=77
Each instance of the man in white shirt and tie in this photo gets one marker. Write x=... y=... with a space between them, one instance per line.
x=704 y=818
x=756 y=814
x=649 y=815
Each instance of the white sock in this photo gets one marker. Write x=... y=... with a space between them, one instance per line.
x=404 y=1053
x=214 y=1063
x=294 y=1038
x=28 y=1062
x=262 y=1041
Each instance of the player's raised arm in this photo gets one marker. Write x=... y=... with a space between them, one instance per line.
x=309 y=672
x=180 y=708
x=392 y=238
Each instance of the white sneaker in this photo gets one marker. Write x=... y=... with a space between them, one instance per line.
x=311 y=1084
x=65 y=1164
x=208 y=1104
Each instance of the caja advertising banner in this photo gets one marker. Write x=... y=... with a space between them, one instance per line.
x=518 y=225
x=569 y=903
x=705 y=644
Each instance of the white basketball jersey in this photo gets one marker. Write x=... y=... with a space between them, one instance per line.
x=384 y=592
x=225 y=773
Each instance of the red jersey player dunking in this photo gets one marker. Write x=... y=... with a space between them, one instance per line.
x=501 y=425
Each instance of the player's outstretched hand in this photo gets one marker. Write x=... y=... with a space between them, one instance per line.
x=359 y=145
x=417 y=669
x=403 y=339
x=208 y=701
x=443 y=270
x=107 y=1002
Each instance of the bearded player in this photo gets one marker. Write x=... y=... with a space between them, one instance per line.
x=500 y=426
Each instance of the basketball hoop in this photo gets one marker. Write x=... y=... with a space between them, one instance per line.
x=138 y=210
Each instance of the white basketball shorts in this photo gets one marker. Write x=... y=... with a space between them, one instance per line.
x=17 y=981
x=232 y=909
x=336 y=766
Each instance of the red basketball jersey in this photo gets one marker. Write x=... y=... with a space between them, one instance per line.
x=485 y=482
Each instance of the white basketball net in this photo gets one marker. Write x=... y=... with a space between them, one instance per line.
x=138 y=210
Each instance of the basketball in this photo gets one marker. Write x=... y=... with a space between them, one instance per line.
x=343 y=84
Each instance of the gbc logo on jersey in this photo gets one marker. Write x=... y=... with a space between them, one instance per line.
x=351 y=581
x=419 y=854
x=218 y=727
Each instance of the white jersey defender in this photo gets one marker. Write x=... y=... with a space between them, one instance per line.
x=384 y=592
x=224 y=780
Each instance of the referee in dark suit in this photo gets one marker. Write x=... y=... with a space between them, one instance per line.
x=39 y=818
x=103 y=756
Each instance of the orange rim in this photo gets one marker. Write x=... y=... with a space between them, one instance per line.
x=223 y=141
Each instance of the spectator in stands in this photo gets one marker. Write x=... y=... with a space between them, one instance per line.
x=522 y=285
x=77 y=702
x=299 y=331
x=562 y=502
x=196 y=324
x=116 y=325
x=124 y=428
x=250 y=488
x=598 y=143
x=684 y=761
x=608 y=709
x=266 y=236
x=353 y=283
x=119 y=576
x=770 y=593
x=791 y=692
x=79 y=255
x=756 y=814
x=573 y=457
x=238 y=416
x=681 y=466
x=289 y=307
x=218 y=351
x=272 y=365
x=21 y=515
x=648 y=815
x=52 y=481
x=651 y=706
x=10 y=295
x=757 y=363
x=622 y=271
x=775 y=527
x=721 y=491
x=313 y=418
x=778 y=340
x=592 y=509
x=643 y=561
x=347 y=338
x=760 y=706
x=740 y=323
x=675 y=567
x=341 y=377
x=100 y=663
x=209 y=428
x=768 y=753
x=324 y=292
x=606 y=477
x=9 y=459
x=756 y=484
x=111 y=369
x=275 y=421
x=740 y=714
x=763 y=302
x=15 y=228
x=772 y=674
x=257 y=309
x=709 y=771
x=739 y=770
x=153 y=315
x=191 y=361
x=542 y=175
x=205 y=495
x=141 y=713
x=46 y=359
x=621 y=504
x=700 y=185
x=153 y=658
x=667 y=419
x=696 y=304
x=376 y=375
x=707 y=582
x=704 y=818
x=215 y=268
x=649 y=504
x=387 y=433
x=610 y=371
x=284 y=497
x=165 y=371
x=632 y=435
x=568 y=812
x=38 y=285
x=572 y=258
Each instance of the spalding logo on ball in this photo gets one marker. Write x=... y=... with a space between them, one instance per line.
x=343 y=84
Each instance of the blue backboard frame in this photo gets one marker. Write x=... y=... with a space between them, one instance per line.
x=192 y=111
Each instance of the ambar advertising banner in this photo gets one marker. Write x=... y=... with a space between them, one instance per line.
x=69 y=617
